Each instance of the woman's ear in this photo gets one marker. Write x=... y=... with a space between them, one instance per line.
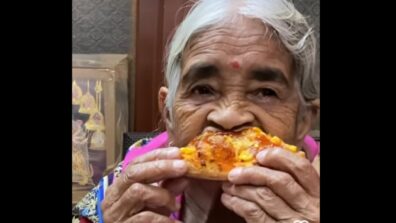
x=308 y=120
x=162 y=94
x=315 y=109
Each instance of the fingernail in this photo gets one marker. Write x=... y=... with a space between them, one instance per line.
x=174 y=152
x=225 y=196
x=234 y=173
x=179 y=164
x=261 y=155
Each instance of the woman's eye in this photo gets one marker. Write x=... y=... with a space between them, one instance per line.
x=266 y=92
x=202 y=90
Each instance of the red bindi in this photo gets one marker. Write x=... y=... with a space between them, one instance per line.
x=235 y=64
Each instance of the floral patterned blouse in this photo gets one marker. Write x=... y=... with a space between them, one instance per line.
x=88 y=209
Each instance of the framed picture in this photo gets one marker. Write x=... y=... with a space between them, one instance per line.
x=99 y=117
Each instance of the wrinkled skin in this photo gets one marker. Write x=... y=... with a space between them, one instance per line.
x=233 y=77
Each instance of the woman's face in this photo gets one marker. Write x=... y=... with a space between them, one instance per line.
x=234 y=77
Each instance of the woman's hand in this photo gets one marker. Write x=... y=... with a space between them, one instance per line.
x=284 y=188
x=136 y=195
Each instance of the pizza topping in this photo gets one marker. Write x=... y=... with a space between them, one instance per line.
x=217 y=153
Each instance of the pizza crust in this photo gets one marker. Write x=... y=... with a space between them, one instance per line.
x=206 y=174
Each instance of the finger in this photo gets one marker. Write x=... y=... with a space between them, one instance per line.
x=264 y=197
x=148 y=216
x=139 y=196
x=300 y=168
x=250 y=211
x=280 y=183
x=153 y=171
x=158 y=154
x=148 y=172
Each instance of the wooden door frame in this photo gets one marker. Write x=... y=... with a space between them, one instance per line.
x=154 y=22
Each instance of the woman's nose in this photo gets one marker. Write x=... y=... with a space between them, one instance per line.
x=231 y=118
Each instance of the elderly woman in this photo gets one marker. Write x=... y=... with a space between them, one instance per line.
x=230 y=65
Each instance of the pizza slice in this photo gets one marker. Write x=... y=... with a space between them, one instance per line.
x=212 y=155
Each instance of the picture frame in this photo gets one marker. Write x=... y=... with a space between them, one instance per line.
x=99 y=117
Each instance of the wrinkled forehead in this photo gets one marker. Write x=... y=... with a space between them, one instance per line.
x=245 y=42
x=246 y=30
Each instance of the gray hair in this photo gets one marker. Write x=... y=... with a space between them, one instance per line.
x=290 y=26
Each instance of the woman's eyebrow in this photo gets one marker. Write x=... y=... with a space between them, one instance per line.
x=200 y=71
x=268 y=74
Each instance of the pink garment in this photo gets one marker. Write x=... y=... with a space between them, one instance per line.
x=157 y=142
x=311 y=147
